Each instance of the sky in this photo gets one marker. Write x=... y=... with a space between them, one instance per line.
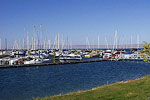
x=76 y=19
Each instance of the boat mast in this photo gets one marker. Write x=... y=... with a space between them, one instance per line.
x=62 y=43
x=106 y=42
x=54 y=44
x=37 y=41
x=49 y=42
x=88 y=44
x=118 y=44
x=41 y=35
x=116 y=39
x=34 y=39
x=44 y=45
x=58 y=41
x=32 y=43
x=138 y=42
x=5 y=44
x=131 y=42
x=98 y=43
x=71 y=45
x=19 y=46
x=93 y=45
x=23 y=44
x=24 y=37
x=114 y=45
x=0 y=44
x=123 y=43
x=13 y=46
x=126 y=43
x=67 y=43
x=16 y=45
x=27 y=40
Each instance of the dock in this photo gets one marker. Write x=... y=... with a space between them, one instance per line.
x=56 y=63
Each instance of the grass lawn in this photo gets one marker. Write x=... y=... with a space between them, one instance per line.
x=138 y=89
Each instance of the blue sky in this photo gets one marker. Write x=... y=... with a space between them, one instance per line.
x=76 y=19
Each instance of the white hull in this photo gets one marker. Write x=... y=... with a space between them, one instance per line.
x=69 y=60
x=33 y=62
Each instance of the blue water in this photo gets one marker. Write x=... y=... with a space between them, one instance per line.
x=27 y=83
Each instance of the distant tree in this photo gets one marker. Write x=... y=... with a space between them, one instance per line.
x=145 y=53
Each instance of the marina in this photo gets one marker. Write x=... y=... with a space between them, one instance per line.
x=34 y=51
x=53 y=57
x=74 y=50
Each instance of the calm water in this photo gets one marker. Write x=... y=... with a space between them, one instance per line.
x=26 y=83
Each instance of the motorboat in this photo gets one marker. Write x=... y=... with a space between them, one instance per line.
x=70 y=58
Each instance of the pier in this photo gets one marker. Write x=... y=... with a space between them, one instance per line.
x=56 y=63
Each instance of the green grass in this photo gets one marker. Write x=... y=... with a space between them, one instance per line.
x=138 y=89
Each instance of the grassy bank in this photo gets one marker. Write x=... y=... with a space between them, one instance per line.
x=138 y=89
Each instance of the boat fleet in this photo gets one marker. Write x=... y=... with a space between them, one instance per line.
x=20 y=57
x=40 y=51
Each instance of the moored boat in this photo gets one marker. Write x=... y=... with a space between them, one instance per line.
x=70 y=58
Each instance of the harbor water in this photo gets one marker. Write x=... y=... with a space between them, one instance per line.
x=28 y=83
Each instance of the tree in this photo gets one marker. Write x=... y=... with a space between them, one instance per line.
x=145 y=53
